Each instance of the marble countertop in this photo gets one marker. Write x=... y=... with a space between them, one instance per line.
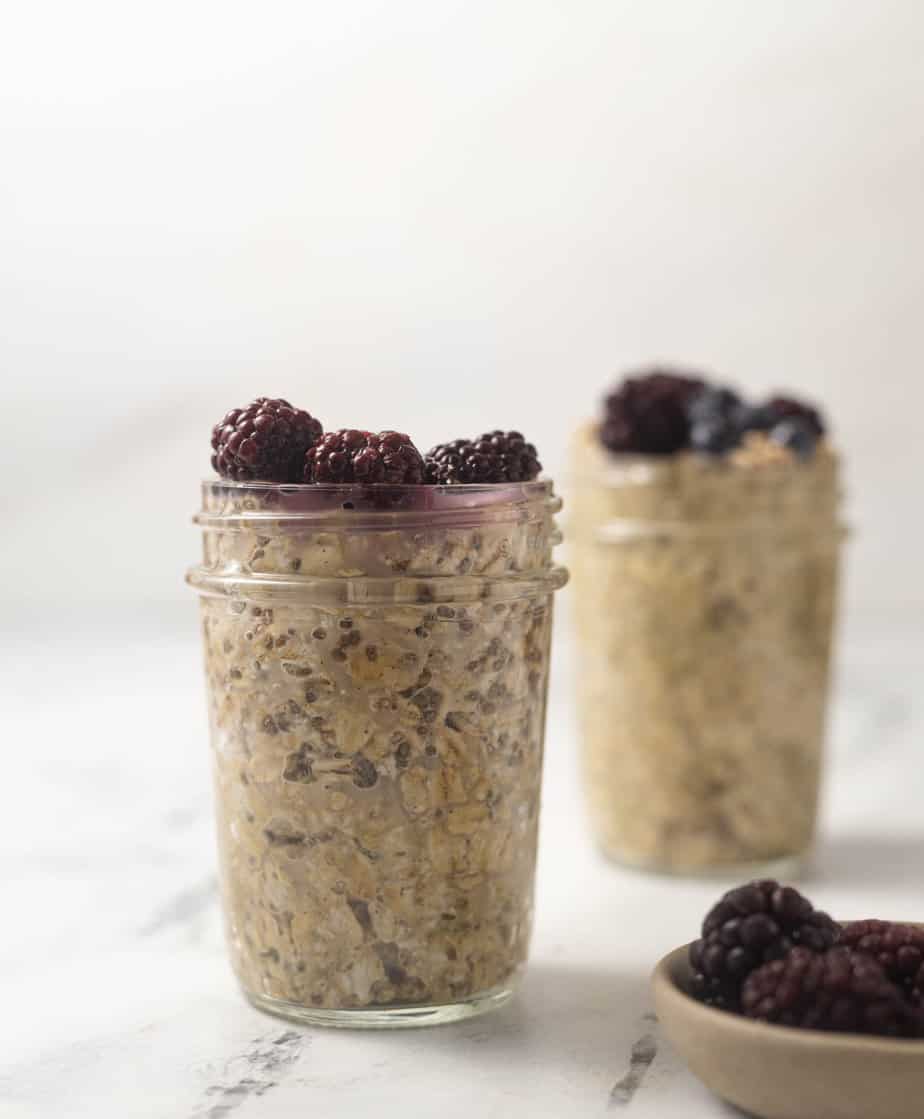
x=117 y=996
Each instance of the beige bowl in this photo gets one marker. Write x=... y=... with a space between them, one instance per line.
x=776 y=1072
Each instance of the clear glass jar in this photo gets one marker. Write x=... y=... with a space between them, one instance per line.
x=704 y=598
x=377 y=661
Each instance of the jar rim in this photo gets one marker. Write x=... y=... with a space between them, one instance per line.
x=537 y=486
x=226 y=503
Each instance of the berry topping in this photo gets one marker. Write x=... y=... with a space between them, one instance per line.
x=835 y=990
x=647 y=414
x=266 y=442
x=360 y=456
x=779 y=408
x=715 y=416
x=748 y=927
x=899 y=949
x=660 y=412
x=496 y=456
x=797 y=435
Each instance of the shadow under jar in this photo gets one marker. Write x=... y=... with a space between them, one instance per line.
x=377 y=662
x=705 y=595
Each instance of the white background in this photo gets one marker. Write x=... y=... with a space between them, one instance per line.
x=442 y=217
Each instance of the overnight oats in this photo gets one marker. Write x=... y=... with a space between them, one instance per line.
x=705 y=539
x=377 y=658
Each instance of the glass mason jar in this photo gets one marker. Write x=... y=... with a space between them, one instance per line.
x=704 y=597
x=377 y=661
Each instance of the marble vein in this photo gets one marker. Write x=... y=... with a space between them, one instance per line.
x=256 y=1071
x=641 y=1056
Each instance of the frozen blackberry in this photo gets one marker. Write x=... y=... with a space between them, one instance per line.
x=839 y=990
x=748 y=927
x=266 y=442
x=496 y=456
x=898 y=948
x=648 y=413
x=361 y=456
x=715 y=415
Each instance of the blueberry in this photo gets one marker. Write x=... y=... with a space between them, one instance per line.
x=713 y=404
x=756 y=417
x=714 y=420
x=713 y=436
x=798 y=435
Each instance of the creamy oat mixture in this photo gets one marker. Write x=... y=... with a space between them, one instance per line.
x=377 y=701
x=704 y=593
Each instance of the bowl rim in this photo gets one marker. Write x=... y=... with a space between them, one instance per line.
x=667 y=984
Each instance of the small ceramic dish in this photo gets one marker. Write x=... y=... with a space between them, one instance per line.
x=776 y=1072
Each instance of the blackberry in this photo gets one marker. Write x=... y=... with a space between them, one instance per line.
x=647 y=413
x=266 y=441
x=898 y=948
x=839 y=989
x=361 y=456
x=715 y=415
x=455 y=463
x=496 y=456
x=748 y=927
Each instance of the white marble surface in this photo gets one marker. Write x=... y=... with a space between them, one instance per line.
x=116 y=995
